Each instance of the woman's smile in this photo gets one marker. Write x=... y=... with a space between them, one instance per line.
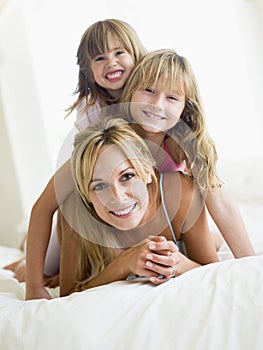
x=126 y=212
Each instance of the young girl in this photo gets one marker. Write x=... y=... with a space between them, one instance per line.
x=163 y=99
x=107 y=54
x=123 y=198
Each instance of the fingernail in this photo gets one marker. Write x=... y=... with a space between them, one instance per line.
x=152 y=246
x=149 y=256
x=149 y=264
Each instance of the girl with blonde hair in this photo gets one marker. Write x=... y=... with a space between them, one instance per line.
x=162 y=98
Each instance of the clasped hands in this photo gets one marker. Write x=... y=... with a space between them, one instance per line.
x=155 y=258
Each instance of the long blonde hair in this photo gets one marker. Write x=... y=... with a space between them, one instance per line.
x=174 y=72
x=99 y=243
x=93 y=43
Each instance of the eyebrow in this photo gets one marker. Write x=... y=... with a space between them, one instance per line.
x=123 y=171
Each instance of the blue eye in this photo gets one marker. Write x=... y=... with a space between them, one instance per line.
x=99 y=187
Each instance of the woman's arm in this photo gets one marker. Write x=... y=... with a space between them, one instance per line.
x=189 y=222
x=229 y=221
x=156 y=251
x=40 y=224
x=151 y=258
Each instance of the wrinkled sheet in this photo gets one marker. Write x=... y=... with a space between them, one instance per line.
x=214 y=307
x=218 y=306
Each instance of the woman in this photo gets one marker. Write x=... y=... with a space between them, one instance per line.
x=126 y=218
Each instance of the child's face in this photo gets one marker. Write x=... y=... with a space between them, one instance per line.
x=156 y=110
x=118 y=194
x=112 y=69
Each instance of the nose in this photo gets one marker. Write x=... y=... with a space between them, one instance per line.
x=158 y=101
x=118 y=192
x=111 y=62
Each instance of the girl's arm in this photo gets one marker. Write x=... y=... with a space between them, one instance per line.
x=40 y=224
x=228 y=219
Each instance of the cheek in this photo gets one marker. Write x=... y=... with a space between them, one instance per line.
x=135 y=105
x=129 y=64
x=133 y=110
x=139 y=191
x=174 y=113
x=96 y=72
x=136 y=97
x=99 y=201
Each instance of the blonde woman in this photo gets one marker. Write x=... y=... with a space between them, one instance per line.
x=126 y=218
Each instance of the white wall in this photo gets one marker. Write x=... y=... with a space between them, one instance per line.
x=38 y=73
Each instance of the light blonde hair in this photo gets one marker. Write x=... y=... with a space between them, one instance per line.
x=174 y=72
x=116 y=131
x=95 y=42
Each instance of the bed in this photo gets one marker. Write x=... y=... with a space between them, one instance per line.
x=218 y=306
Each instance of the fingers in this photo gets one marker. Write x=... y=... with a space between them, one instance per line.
x=20 y=271
x=157 y=238
x=162 y=265
x=163 y=247
x=152 y=258
x=52 y=281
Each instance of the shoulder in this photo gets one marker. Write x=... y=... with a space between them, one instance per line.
x=177 y=181
x=183 y=200
x=178 y=192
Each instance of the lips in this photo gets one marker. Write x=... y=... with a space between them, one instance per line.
x=113 y=76
x=124 y=212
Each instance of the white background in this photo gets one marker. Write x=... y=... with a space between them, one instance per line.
x=38 y=74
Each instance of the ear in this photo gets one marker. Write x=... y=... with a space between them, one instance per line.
x=148 y=178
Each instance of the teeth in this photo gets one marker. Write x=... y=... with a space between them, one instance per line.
x=125 y=211
x=114 y=75
x=153 y=116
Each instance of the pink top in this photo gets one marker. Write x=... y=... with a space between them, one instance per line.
x=168 y=163
x=90 y=116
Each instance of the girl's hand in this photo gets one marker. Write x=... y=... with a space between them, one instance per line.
x=51 y=281
x=37 y=293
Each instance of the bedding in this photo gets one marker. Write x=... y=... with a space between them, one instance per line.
x=218 y=306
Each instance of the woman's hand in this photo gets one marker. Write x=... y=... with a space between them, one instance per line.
x=155 y=258
x=163 y=259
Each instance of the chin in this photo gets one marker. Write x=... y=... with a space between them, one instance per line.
x=125 y=226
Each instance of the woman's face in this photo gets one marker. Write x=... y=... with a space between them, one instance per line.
x=119 y=196
x=156 y=110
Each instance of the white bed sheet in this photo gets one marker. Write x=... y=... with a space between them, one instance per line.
x=215 y=307
x=218 y=306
